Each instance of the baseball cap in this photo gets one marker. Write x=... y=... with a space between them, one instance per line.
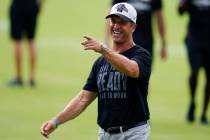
x=124 y=10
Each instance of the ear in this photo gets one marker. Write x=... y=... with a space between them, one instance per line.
x=133 y=27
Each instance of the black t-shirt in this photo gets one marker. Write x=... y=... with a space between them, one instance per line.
x=199 y=23
x=25 y=5
x=143 y=34
x=122 y=100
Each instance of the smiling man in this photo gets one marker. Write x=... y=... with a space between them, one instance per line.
x=119 y=78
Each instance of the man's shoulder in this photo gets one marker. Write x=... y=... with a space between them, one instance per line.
x=140 y=49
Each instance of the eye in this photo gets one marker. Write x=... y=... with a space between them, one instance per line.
x=122 y=22
x=119 y=22
x=113 y=21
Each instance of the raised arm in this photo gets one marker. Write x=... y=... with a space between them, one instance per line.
x=122 y=63
x=118 y=61
x=107 y=33
x=75 y=107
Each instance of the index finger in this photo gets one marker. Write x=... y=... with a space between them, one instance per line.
x=88 y=38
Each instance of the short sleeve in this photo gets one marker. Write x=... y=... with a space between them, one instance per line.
x=156 y=5
x=117 y=1
x=91 y=83
x=143 y=60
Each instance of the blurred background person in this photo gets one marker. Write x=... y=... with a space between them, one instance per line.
x=23 y=21
x=198 y=49
x=143 y=34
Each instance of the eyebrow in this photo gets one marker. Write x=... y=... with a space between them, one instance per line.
x=118 y=20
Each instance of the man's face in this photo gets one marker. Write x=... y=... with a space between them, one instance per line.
x=120 y=30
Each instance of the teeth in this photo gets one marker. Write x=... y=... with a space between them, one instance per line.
x=116 y=32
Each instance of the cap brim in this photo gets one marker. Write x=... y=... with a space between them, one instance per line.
x=121 y=16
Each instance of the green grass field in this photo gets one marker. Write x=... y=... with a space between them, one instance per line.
x=63 y=67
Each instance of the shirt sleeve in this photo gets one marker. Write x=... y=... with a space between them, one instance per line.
x=91 y=83
x=143 y=60
x=156 y=5
x=117 y=1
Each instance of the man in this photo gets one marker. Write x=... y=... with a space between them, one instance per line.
x=119 y=78
x=143 y=34
x=23 y=17
x=198 y=49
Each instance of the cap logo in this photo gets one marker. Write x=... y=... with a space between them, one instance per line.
x=121 y=8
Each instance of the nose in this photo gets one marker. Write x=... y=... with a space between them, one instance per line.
x=116 y=25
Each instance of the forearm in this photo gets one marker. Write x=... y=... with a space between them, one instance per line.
x=107 y=34
x=72 y=110
x=122 y=63
x=118 y=61
x=75 y=107
x=161 y=26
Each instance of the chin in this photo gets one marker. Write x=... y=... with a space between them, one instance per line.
x=118 y=41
